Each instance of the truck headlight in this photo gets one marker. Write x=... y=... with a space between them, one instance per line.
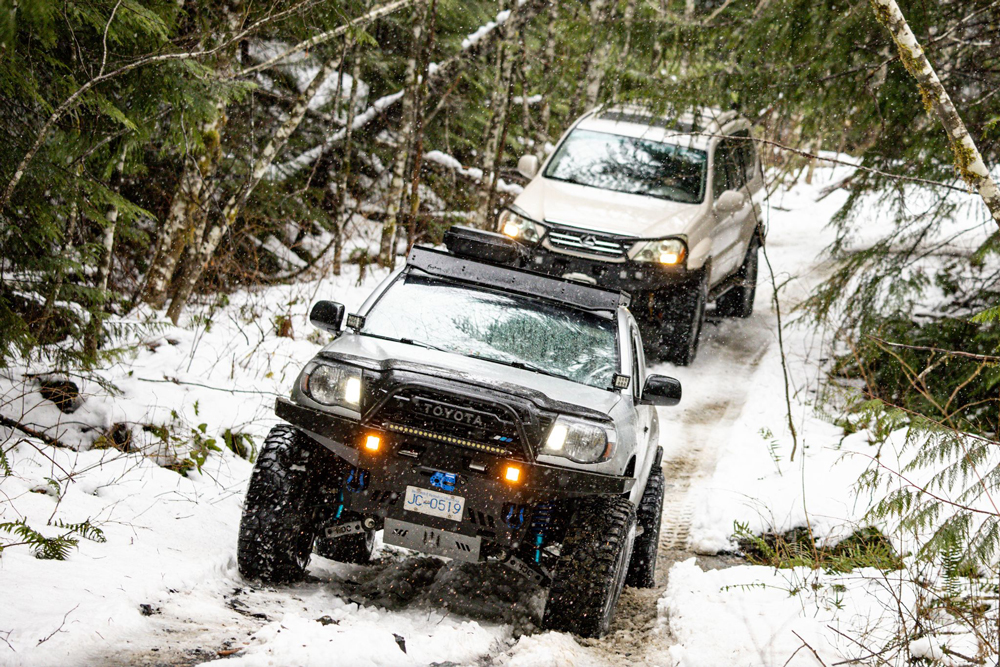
x=334 y=385
x=669 y=252
x=518 y=227
x=579 y=440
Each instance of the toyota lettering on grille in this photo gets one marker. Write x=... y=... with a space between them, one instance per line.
x=453 y=413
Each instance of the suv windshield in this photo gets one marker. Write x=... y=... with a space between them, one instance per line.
x=627 y=164
x=505 y=328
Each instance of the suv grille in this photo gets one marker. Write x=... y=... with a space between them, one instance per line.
x=586 y=242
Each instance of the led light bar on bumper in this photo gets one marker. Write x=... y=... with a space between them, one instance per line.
x=579 y=440
x=519 y=227
x=334 y=385
x=669 y=252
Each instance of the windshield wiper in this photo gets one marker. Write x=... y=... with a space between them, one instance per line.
x=523 y=365
x=407 y=341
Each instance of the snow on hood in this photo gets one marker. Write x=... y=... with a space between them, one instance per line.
x=475 y=370
x=605 y=210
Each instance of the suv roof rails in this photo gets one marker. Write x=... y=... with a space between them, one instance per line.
x=697 y=120
x=443 y=264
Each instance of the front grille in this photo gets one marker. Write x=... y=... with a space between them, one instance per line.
x=430 y=415
x=587 y=243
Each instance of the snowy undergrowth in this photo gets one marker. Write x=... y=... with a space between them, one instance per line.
x=800 y=616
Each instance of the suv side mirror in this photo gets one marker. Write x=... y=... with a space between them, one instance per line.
x=328 y=316
x=527 y=166
x=661 y=390
x=729 y=201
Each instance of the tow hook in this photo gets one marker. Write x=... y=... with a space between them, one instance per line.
x=536 y=573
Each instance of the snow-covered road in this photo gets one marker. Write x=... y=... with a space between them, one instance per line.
x=164 y=589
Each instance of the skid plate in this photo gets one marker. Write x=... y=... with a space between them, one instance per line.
x=431 y=540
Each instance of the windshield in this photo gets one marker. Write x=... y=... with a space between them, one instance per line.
x=627 y=164
x=505 y=328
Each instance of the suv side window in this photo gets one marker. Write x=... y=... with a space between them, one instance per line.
x=747 y=155
x=720 y=176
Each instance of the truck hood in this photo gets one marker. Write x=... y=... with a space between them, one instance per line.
x=605 y=210
x=382 y=354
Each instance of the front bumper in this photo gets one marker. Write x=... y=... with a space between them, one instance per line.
x=633 y=277
x=495 y=511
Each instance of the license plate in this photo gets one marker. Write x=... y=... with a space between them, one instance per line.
x=433 y=503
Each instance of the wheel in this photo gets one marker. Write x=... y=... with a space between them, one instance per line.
x=642 y=569
x=277 y=529
x=355 y=548
x=683 y=317
x=590 y=573
x=738 y=301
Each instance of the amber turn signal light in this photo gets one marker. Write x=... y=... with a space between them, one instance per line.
x=512 y=474
x=372 y=443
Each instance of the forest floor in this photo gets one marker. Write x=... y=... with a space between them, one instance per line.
x=164 y=589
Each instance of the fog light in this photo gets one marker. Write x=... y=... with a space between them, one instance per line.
x=512 y=474
x=512 y=230
x=372 y=443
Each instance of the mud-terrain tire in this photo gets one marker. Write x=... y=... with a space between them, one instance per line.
x=738 y=301
x=278 y=527
x=590 y=573
x=356 y=548
x=683 y=318
x=649 y=515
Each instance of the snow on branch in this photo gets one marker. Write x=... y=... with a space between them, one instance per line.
x=379 y=106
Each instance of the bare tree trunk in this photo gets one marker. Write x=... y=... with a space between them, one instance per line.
x=658 y=43
x=599 y=12
x=104 y=265
x=187 y=210
x=418 y=127
x=548 y=59
x=339 y=221
x=968 y=161
x=387 y=249
x=499 y=108
x=186 y=280
x=628 y=21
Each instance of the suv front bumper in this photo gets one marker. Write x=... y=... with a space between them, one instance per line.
x=497 y=513
x=633 y=277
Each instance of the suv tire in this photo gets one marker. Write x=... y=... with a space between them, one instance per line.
x=356 y=548
x=642 y=569
x=590 y=573
x=277 y=529
x=738 y=301
x=683 y=318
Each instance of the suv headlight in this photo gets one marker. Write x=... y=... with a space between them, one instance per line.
x=518 y=227
x=334 y=385
x=669 y=252
x=579 y=440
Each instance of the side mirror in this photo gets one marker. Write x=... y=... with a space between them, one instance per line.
x=661 y=390
x=729 y=201
x=328 y=316
x=527 y=166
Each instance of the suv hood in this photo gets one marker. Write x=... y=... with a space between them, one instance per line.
x=377 y=353
x=573 y=205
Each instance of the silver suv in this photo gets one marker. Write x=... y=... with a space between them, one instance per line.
x=663 y=208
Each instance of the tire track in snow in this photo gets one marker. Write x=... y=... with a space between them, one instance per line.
x=715 y=387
